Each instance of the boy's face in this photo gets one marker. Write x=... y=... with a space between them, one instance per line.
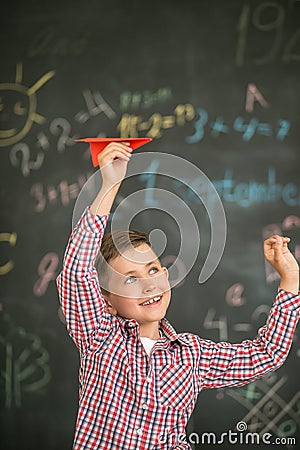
x=139 y=286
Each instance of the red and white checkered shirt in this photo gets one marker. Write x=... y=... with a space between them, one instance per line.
x=129 y=400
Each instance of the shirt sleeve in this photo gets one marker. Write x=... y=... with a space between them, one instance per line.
x=224 y=364
x=78 y=286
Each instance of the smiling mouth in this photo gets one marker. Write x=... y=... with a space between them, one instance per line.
x=152 y=301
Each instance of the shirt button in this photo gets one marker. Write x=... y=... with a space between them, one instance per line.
x=144 y=405
x=139 y=431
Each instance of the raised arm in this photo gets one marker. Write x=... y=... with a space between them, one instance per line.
x=224 y=364
x=113 y=162
x=79 y=290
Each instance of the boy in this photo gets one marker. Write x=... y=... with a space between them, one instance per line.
x=139 y=379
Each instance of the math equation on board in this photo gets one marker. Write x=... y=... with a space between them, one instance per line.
x=58 y=134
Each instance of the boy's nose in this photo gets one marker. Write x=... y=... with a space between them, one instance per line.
x=149 y=287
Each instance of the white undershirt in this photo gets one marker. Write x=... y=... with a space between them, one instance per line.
x=148 y=344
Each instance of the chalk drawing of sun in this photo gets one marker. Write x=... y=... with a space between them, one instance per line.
x=18 y=107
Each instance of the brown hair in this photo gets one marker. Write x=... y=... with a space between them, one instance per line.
x=113 y=244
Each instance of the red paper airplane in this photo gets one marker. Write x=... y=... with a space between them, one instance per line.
x=98 y=144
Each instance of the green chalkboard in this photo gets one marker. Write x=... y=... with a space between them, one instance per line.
x=216 y=85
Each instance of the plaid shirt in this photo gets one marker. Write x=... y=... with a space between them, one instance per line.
x=128 y=400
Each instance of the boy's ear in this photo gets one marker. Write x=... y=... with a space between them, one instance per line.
x=166 y=271
x=109 y=307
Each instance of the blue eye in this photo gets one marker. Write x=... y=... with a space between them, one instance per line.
x=153 y=270
x=130 y=280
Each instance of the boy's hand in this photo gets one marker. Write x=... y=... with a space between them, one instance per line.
x=279 y=256
x=113 y=162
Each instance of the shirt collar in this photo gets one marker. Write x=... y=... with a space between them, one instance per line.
x=131 y=325
x=170 y=333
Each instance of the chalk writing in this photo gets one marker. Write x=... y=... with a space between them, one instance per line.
x=61 y=127
x=11 y=239
x=267 y=410
x=247 y=128
x=221 y=324
x=96 y=105
x=134 y=100
x=254 y=95
x=211 y=323
x=25 y=367
x=32 y=159
x=48 y=42
x=248 y=193
x=234 y=295
x=47 y=272
x=22 y=156
x=235 y=299
x=65 y=192
x=18 y=106
x=244 y=194
x=150 y=176
x=131 y=125
x=267 y=17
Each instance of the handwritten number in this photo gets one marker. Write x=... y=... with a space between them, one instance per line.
x=184 y=113
x=234 y=295
x=242 y=29
x=274 y=25
x=210 y=323
x=150 y=177
x=62 y=126
x=199 y=127
x=288 y=54
x=47 y=271
x=26 y=164
x=267 y=17
x=37 y=191
x=154 y=131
